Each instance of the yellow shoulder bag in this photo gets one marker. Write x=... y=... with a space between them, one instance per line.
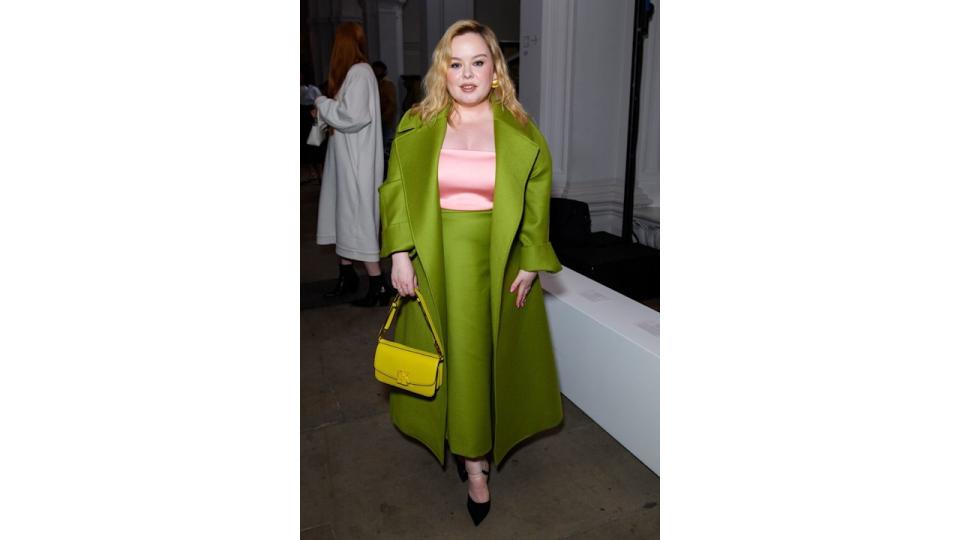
x=396 y=364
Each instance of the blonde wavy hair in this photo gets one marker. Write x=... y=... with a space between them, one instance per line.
x=436 y=98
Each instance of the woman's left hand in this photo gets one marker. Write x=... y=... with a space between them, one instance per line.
x=522 y=286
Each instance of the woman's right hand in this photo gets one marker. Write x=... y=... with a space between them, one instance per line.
x=402 y=276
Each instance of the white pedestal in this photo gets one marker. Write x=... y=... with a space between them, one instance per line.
x=607 y=348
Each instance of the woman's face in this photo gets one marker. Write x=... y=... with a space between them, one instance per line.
x=470 y=70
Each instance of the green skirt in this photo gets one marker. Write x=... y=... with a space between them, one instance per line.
x=469 y=347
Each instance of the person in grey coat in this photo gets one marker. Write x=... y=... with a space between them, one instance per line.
x=349 y=205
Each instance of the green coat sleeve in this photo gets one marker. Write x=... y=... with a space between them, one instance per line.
x=395 y=230
x=536 y=252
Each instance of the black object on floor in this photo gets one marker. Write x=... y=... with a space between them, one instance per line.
x=628 y=268
x=312 y=295
x=347 y=283
x=379 y=292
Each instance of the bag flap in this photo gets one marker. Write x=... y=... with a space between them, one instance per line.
x=405 y=364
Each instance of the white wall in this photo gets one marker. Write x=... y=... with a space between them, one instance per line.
x=583 y=53
x=601 y=99
x=391 y=37
x=531 y=21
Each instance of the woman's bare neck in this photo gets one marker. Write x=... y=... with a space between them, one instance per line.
x=471 y=129
x=474 y=114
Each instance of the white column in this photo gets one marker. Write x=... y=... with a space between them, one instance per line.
x=391 y=37
x=531 y=37
x=556 y=77
x=585 y=53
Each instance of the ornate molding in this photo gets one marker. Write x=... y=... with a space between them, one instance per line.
x=604 y=196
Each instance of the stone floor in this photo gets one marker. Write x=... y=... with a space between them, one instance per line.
x=360 y=478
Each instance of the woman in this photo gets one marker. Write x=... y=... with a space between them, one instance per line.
x=465 y=219
x=349 y=213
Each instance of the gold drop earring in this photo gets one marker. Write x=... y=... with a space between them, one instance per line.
x=495 y=84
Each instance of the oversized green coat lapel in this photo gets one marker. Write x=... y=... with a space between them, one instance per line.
x=516 y=154
x=419 y=154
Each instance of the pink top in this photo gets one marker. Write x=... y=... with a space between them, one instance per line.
x=466 y=179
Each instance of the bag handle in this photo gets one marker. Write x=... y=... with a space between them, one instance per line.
x=395 y=305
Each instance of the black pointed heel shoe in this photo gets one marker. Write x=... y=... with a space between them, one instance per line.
x=478 y=511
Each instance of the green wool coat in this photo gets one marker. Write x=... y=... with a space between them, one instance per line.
x=525 y=388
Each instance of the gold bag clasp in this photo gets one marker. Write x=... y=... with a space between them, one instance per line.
x=402 y=378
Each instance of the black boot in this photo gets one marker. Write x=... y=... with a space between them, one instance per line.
x=347 y=282
x=378 y=293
